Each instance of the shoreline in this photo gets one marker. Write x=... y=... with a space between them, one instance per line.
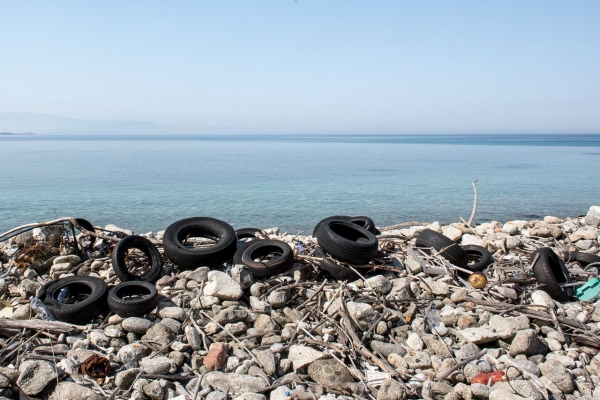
x=401 y=332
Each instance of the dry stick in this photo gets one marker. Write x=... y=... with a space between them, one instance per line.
x=19 y=346
x=402 y=225
x=536 y=381
x=234 y=338
x=474 y=203
x=53 y=326
x=460 y=364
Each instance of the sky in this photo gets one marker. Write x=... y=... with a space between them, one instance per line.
x=312 y=67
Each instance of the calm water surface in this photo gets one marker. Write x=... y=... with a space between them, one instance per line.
x=146 y=183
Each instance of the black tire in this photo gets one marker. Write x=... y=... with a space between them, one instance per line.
x=189 y=258
x=583 y=258
x=87 y=225
x=237 y=256
x=119 y=263
x=247 y=233
x=551 y=271
x=335 y=217
x=479 y=257
x=121 y=304
x=78 y=312
x=347 y=242
x=365 y=222
x=336 y=270
x=453 y=252
x=260 y=248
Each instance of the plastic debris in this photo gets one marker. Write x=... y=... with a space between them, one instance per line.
x=40 y=309
x=589 y=291
x=96 y=366
x=489 y=378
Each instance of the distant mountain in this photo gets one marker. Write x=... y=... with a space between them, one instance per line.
x=57 y=124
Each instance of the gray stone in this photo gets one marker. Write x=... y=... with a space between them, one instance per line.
x=502 y=394
x=363 y=314
x=4 y=381
x=379 y=283
x=199 y=274
x=136 y=325
x=466 y=351
x=99 y=339
x=216 y=395
x=414 y=341
x=176 y=313
x=154 y=390
x=280 y=393
x=222 y=286
x=480 y=391
x=528 y=366
x=130 y=353
x=390 y=389
x=559 y=375
x=418 y=360
x=527 y=342
x=159 y=333
x=277 y=298
x=235 y=383
x=73 y=391
x=230 y=315
x=158 y=365
x=436 y=390
x=71 y=259
x=265 y=323
x=387 y=348
x=592 y=217
x=251 y=396
x=23 y=312
x=193 y=337
x=479 y=335
x=302 y=356
x=541 y=298
x=329 y=371
x=125 y=379
x=35 y=375
x=519 y=387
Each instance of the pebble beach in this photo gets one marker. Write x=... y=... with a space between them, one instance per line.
x=410 y=327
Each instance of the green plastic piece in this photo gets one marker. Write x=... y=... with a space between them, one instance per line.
x=589 y=291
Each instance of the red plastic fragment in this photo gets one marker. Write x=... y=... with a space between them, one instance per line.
x=489 y=378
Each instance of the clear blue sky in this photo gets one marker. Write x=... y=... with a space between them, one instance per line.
x=308 y=66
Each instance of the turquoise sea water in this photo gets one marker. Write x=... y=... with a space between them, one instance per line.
x=146 y=183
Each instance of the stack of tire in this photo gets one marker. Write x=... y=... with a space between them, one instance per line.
x=470 y=257
x=345 y=241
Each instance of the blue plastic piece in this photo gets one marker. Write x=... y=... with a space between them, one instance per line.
x=589 y=291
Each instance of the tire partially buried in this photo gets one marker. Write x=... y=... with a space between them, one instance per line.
x=86 y=299
x=479 y=257
x=121 y=260
x=251 y=254
x=132 y=299
x=445 y=246
x=550 y=271
x=361 y=221
x=210 y=256
x=335 y=269
x=347 y=241
x=247 y=233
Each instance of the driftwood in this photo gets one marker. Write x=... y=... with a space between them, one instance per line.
x=52 y=326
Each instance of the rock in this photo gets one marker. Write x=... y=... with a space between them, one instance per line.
x=199 y=274
x=418 y=360
x=414 y=341
x=267 y=361
x=527 y=342
x=364 y=315
x=510 y=228
x=387 y=348
x=519 y=387
x=379 y=283
x=136 y=325
x=559 y=375
x=235 y=383
x=552 y=220
x=216 y=357
x=216 y=395
x=176 y=313
x=480 y=391
x=193 y=337
x=265 y=323
x=158 y=365
x=277 y=298
x=99 y=339
x=592 y=217
x=125 y=379
x=160 y=333
x=154 y=390
x=469 y=239
x=586 y=234
x=479 y=335
x=73 y=391
x=4 y=381
x=35 y=375
x=23 y=312
x=584 y=244
x=329 y=372
x=302 y=356
x=452 y=233
x=390 y=389
x=436 y=287
x=502 y=394
x=541 y=298
x=222 y=286
x=466 y=321
x=251 y=396
x=540 y=231
x=436 y=390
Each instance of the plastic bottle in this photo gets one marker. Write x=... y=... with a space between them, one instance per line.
x=433 y=317
x=299 y=248
x=40 y=309
x=63 y=294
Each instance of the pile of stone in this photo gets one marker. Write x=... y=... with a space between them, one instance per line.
x=401 y=332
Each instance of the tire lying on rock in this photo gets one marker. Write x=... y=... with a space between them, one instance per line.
x=583 y=258
x=122 y=261
x=362 y=221
x=479 y=257
x=445 y=246
x=87 y=225
x=86 y=299
x=187 y=257
x=132 y=299
x=335 y=269
x=347 y=241
x=252 y=254
x=551 y=271
x=247 y=233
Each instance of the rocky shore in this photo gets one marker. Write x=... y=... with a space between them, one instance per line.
x=411 y=327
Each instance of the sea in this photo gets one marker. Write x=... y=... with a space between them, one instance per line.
x=145 y=183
